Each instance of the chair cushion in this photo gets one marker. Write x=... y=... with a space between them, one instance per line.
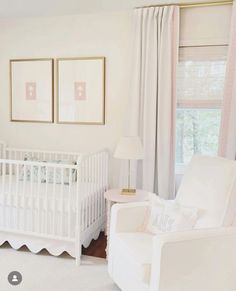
x=136 y=247
x=209 y=184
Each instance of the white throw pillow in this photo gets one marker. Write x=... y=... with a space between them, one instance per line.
x=169 y=216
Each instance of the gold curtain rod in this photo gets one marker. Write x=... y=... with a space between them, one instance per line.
x=192 y=5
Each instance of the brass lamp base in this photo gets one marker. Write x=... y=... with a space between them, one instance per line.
x=128 y=192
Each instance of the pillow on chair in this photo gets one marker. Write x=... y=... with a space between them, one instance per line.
x=168 y=216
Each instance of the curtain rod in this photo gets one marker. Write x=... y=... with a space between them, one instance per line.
x=192 y=5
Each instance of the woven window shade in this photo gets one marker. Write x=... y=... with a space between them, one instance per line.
x=200 y=77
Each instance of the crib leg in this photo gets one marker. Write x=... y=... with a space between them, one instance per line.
x=78 y=260
x=78 y=255
x=78 y=249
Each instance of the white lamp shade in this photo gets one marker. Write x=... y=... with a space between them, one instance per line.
x=129 y=148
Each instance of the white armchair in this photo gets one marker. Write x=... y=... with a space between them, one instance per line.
x=203 y=259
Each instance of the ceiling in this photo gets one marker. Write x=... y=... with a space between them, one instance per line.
x=34 y=8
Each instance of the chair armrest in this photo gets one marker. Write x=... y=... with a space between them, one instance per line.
x=193 y=234
x=128 y=217
x=194 y=260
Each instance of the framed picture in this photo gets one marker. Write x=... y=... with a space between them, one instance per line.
x=81 y=90
x=31 y=89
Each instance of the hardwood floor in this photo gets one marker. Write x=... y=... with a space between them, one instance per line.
x=97 y=247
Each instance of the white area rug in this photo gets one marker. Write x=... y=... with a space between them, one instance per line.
x=43 y=272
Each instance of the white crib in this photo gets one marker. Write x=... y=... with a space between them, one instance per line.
x=51 y=199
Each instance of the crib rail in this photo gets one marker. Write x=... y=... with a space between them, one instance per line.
x=40 y=155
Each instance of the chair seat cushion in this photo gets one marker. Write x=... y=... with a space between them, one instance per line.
x=136 y=247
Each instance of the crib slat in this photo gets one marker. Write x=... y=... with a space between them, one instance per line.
x=100 y=185
x=88 y=185
x=54 y=201
x=62 y=201
x=80 y=179
x=70 y=203
x=40 y=209
x=79 y=211
x=31 y=203
x=17 y=217
x=104 y=181
x=10 y=197
x=93 y=188
x=89 y=190
x=46 y=203
x=4 y=194
x=87 y=177
x=24 y=198
x=96 y=186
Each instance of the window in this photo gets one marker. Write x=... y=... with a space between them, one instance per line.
x=200 y=86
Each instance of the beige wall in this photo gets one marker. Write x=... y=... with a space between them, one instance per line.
x=106 y=35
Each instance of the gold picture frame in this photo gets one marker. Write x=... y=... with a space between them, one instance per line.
x=73 y=64
x=19 y=93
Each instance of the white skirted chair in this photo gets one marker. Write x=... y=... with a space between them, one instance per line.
x=200 y=259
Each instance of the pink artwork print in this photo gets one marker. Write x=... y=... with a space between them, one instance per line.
x=80 y=90
x=30 y=91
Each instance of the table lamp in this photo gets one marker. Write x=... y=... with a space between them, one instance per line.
x=129 y=148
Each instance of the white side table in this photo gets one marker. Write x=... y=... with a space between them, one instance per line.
x=114 y=196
